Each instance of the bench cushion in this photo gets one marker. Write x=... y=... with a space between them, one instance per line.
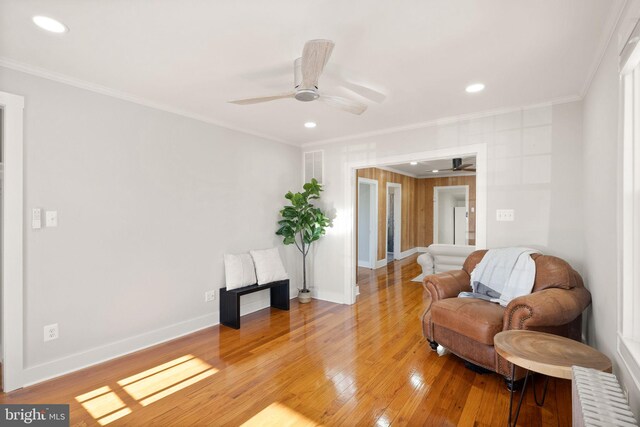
x=269 y=266
x=239 y=271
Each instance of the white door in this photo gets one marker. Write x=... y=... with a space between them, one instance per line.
x=460 y=225
x=367 y=222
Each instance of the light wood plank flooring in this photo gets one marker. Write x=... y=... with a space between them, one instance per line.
x=318 y=364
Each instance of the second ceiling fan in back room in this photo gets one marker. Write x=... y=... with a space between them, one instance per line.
x=307 y=71
x=458 y=166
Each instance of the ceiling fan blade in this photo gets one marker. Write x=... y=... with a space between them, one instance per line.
x=461 y=167
x=470 y=170
x=249 y=101
x=365 y=92
x=344 y=104
x=340 y=77
x=315 y=55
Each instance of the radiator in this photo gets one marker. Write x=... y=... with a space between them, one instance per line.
x=598 y=400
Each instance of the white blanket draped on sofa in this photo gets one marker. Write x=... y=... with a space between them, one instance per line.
x=502 y=275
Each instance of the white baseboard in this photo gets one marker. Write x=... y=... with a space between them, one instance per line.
x=77 y=361
x=381 y=263
x=421 y=248
x=328 y=296
x=407 y=253
x=364 y=264
x=65 y=365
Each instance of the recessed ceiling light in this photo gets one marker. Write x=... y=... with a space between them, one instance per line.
x=435 y=171
x=476 y=87
x=310 y=125
x=50 y=24
x=413 y=163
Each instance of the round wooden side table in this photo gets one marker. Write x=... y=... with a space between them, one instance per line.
x=546 y=354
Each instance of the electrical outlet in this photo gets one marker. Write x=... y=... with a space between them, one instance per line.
x=51 y=332
x=51 y=218
x=209 y=296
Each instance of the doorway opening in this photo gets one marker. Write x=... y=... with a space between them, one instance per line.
x=394 y=221
x=367 y=222
x=451 y=215
x=415 y=176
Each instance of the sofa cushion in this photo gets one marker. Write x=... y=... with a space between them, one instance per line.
x=477 y=319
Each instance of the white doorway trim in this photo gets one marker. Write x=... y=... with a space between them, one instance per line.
x=350 y=183
x=12 y=242
x=397 y=221
x=373 y=218
x=436 y=212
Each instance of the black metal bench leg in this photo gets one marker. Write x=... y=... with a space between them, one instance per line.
x=280 y=297
x=230 y=309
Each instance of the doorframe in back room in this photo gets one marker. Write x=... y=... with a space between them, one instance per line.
x=350 y=187
x=397 y=222
x=373 y=218
x=436 y=212
x=12 y=242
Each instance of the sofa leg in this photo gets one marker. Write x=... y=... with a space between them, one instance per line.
x=517 y=385
x=433 y=345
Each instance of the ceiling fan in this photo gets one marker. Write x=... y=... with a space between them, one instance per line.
x=458 y=166
x=307 y=70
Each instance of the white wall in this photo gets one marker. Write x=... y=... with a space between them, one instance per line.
x=601 y=114
x=148 y=202
x=534 y=163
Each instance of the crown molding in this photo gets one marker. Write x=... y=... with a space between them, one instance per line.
x=107 y=91
x=104 y=90
x=443 y=121
x=394 y=170
x=612 y=24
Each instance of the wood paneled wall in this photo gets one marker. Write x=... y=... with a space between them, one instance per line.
x=407 y=237
x=417 y=206
x=424 y=206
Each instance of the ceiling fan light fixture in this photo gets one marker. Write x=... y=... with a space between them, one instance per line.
x=50 y=24
x=306 y=95
x=413 y=163
x=310 y=125
x=435 y=171
x=475 y=88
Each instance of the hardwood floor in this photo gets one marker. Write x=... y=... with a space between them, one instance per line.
x=320 y=363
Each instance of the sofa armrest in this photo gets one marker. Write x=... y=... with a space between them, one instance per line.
x=549 y=307
x=447 y=285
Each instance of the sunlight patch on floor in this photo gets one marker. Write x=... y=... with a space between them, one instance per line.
x=105 y=405
x=278 y=415
x=154 y=384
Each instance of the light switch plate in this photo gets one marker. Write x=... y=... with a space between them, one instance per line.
x=36 y=218
x=51 y=218
x=505 y=215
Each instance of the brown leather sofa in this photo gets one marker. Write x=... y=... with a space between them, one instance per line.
x=466 y=326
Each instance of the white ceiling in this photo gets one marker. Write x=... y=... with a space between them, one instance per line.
x=425 y=169
x=195 y=55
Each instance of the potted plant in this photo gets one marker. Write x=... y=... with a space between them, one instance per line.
x=302 y=224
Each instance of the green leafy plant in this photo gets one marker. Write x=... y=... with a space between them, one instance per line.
x=302 y=223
